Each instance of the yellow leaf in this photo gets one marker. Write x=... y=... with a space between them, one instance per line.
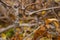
x=56 y=24
x=43 y=12
x=3 y=36
x=57 y=0
x=17 y=29
x=20 y=22
x=45 y=38
x=25 y=28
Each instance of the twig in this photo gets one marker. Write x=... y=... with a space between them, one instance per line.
x=4 y=29
x=30 y=13
x=33 y=32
